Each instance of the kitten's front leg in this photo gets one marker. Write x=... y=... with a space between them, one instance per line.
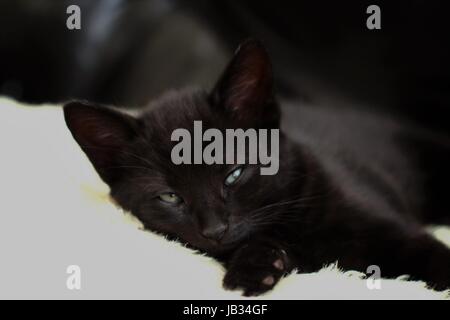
x=256 y=268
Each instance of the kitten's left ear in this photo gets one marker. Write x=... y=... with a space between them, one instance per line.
x=103 y=134
x=245 y=89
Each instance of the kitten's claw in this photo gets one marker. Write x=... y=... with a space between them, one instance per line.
x=269 y=281
x=256 y=271
x=279 y=264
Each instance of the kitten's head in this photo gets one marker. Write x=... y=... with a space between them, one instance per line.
x=211 y=207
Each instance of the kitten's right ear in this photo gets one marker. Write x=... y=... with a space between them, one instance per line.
x=245 y=89
x=102 y=133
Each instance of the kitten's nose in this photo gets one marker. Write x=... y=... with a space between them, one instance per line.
x=215 y=232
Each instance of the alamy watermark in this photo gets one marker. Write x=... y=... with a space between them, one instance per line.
x=73 y=21
x=373 y=22
x=249 y=146
x=73 y=281
x=373 y=282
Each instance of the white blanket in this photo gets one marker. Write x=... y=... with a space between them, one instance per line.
x=55 y=212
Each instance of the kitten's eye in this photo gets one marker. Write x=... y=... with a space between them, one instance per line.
x=170 y=197
x=233 y=177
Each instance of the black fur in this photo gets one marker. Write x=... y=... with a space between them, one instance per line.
x=352 y=186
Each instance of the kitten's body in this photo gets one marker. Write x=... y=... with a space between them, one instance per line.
x=352 y=186
x=376 y=155
x=363 y=154
x=377 y=187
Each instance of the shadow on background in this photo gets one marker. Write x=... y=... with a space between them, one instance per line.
x=129 y=51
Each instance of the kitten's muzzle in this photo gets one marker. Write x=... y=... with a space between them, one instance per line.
x=215 y=231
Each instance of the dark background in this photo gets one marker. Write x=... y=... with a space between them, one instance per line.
x=129 y=51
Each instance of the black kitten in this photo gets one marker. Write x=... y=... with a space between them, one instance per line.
x=351 y=186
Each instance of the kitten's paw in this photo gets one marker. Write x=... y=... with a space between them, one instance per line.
x=256 y=271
